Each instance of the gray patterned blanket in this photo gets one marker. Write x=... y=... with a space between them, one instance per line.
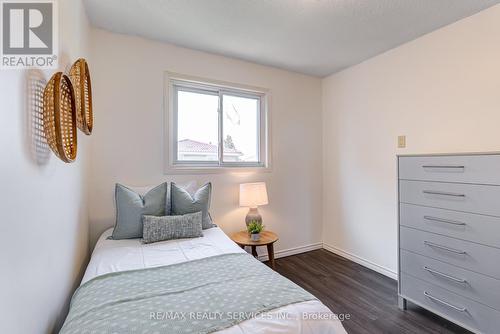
x=201 y=296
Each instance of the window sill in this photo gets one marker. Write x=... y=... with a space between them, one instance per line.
x=179 y=169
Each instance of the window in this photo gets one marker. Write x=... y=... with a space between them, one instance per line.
x=215 y=126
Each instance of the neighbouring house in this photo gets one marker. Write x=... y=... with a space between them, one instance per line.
x=192 y=150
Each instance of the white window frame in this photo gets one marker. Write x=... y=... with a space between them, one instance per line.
x=177 y=82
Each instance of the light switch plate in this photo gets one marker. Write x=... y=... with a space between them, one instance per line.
x=401 y=141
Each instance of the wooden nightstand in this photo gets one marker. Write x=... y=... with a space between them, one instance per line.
x=267 y=238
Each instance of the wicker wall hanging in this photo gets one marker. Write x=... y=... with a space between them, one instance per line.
x=59 y=117
x=80 y=77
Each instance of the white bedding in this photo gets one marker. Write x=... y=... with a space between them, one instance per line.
x=121 y=255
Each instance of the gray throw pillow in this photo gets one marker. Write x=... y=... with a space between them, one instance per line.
x=190 y=187
x=171 y=227
x=131 y=206
x=183 y=203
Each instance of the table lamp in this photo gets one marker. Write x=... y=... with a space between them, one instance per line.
x=253 y=195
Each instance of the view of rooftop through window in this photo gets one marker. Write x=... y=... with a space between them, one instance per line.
x=198 y=127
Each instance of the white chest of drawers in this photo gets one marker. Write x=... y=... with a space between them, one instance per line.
x=449 y=237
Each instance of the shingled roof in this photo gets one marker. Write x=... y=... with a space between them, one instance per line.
x=192 y=146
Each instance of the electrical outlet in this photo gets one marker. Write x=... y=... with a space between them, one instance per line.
x=401 y=141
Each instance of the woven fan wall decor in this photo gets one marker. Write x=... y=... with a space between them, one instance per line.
x=59 y=117
x=80 y=77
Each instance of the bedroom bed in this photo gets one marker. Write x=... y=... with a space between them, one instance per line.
x=111 y=258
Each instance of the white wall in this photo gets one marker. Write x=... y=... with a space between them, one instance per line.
x=43 y=223
x=442 y=91
x=128 y=137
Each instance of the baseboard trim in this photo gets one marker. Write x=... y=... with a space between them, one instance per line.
x=292 y=251
x=335 y=250
x=359 y=260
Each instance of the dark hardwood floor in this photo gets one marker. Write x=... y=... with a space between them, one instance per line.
x=369 y=297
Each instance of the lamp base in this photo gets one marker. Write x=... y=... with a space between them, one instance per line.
x=253 y=215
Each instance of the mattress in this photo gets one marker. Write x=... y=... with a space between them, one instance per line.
x=311 y=317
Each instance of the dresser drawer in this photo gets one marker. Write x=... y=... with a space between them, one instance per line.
x=482 y=289
x=482 y=169
x=465 y=312
x=454 y=196
x=468 y=255
x=467 y=226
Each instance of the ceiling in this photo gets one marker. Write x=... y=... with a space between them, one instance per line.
x=316 y=37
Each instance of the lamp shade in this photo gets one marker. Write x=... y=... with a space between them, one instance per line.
x=253 y=194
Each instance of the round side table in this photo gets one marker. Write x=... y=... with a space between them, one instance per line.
x=267 y=238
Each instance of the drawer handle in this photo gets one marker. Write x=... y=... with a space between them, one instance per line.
x=456 y=308
x=458 y=280
x=442 y=220
x=443 y=166
x=430 y=192
x=448 y=249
